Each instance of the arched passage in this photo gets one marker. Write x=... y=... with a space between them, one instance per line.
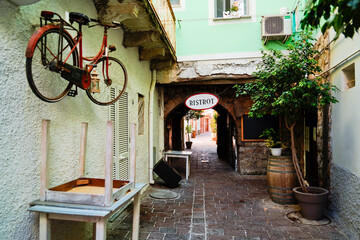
x=226 y=132
x=251 y=157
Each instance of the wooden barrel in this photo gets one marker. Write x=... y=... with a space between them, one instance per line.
x=282 y=179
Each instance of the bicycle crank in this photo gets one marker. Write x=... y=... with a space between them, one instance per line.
x=76 y=75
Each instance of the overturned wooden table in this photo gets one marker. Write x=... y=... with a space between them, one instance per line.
x=87 y=199
x=180 y=154
x=87 y=213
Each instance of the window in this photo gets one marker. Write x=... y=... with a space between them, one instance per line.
x=141 y=107
x=178 y=5
x=231 y=8
x=348 y=76
x=175 y=2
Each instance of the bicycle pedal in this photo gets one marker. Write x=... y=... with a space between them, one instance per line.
x=73 y=93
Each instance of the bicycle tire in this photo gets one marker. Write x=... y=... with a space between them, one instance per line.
x=118 y=77
x=48 y=85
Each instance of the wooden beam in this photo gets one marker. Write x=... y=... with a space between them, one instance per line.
x=156 y=65
x=136 y=39
x=119 y=12
x=136 y=217
x=150 y=53
x=109 y=163
x=44 y=227
x=132 y=174
x=82 y=149
x=44 y=178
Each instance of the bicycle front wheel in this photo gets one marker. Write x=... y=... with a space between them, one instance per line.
x=108 y=81
x=42 y=73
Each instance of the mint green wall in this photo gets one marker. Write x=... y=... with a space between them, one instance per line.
x=196 y=34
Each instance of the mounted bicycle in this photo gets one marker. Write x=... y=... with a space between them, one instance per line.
x=55 y=62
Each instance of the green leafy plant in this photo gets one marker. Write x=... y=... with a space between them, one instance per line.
x=192 y=114
x=188 y=131
x=284 y=87
x=272 y=138
x=234 y=8
x=342 y=15
x=213 y=123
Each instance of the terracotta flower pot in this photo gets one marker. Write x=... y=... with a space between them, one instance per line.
x=312 y=203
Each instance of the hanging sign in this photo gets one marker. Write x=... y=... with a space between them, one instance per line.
x=201 y=101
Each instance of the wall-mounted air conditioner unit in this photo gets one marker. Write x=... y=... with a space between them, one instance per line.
x=276 y=27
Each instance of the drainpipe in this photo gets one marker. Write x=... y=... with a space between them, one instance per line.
x=151 y=125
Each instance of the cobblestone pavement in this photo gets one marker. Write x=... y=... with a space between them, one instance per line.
x=215 y=204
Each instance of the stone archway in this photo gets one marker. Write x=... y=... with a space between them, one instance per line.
x=252 y=156
x=226 y=132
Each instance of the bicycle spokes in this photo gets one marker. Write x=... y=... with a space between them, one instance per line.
x=43 y=67
x=110 y=75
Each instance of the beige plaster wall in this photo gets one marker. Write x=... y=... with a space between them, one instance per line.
x=21 y=114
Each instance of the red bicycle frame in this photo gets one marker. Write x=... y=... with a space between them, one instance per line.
x=103 y=51
x=77 y=43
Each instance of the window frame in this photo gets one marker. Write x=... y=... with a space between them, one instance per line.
x=348 y=76
x=178 y=7
x=247 y=10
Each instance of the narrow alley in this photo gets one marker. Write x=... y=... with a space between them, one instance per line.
x=216 y=203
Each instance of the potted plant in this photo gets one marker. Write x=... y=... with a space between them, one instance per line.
x=273 y=141
x=233 y=13
x=191 y=114
x=284 y=87
x=193 y=133
x=188 y=143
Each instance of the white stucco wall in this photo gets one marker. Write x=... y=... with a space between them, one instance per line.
x=22 y=111
x=345 y=132
x=345 y=114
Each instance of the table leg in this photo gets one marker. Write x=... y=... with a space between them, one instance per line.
x=167 y=159
x=101 y=229
x=136 y=217
x=44 y=227
x=187 y=168
x=189 y=158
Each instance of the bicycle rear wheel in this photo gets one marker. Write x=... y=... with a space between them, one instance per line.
x=112 y=78
x=43 y=76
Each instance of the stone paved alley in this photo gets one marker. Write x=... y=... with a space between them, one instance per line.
x=215 y=204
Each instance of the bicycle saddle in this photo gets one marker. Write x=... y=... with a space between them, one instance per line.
x=79 y=18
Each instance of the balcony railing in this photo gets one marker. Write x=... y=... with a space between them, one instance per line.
x=166 y=16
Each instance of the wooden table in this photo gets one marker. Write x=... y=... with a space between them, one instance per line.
x=180 y=154
x=86 y=213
